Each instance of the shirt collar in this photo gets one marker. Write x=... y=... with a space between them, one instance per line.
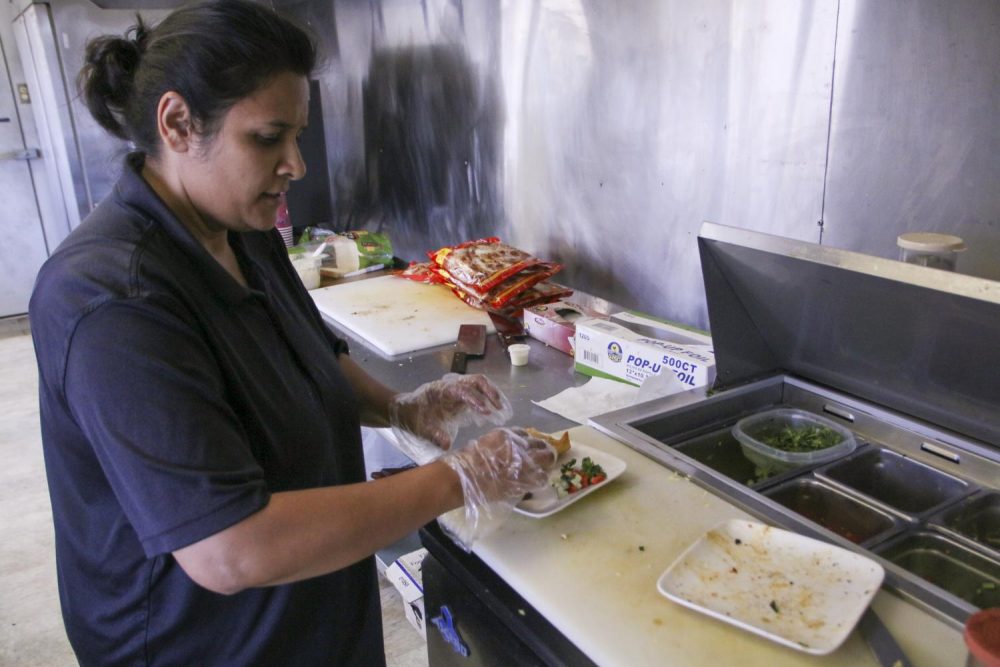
x=133 y=192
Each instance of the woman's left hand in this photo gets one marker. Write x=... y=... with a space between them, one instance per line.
x=435 y=411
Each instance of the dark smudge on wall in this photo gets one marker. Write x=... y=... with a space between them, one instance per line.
x=412 y=118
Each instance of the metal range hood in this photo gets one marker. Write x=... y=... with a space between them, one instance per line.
x=920 y=341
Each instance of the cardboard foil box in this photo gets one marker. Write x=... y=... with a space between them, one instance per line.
x=631 y=348
x=404 y=573
x=555 y=323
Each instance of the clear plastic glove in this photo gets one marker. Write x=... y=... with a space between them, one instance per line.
x=426 y=420
x=496 y=471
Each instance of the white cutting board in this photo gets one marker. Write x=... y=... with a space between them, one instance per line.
x=396 y=315
x=591 y=570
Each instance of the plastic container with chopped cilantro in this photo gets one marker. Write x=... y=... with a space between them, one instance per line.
x=786 y=438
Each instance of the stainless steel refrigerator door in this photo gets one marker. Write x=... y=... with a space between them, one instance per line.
x=24 y=245
x=60 y=180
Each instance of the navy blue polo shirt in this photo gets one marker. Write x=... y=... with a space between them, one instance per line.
x=173 y=402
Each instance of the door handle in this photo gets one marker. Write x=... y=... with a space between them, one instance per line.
x=24 y=154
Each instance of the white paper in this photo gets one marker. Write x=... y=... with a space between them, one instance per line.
x=597 y=396
x=601 y=395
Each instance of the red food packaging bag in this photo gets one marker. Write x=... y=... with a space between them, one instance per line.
x=510 y=289
x=483 y=264
x=423 y=272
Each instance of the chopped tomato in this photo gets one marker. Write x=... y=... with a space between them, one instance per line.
x=573 y=478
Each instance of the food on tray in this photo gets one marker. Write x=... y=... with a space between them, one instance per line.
x=573 y=477
x=805 y=438
x=586 y=469
x=561 y=444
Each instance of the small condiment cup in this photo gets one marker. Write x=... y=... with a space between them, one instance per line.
x=982 y=636
x=518 y=354
x=307 y=266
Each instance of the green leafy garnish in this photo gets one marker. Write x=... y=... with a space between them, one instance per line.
x=802 y=439
x=587 y=467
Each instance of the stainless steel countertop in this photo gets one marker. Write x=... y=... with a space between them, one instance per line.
x=548 y=372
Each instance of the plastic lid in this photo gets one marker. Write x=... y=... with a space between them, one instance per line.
x=930 y=242
x=982 y=636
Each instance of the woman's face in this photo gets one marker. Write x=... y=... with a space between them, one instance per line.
x=235 y=179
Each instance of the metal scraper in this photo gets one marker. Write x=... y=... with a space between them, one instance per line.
x=471 y=342
x=881 y=642
x=509 y=330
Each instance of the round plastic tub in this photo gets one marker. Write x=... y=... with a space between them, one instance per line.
x=752 y=433
x=938 y=251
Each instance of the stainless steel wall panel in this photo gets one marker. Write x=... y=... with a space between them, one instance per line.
x=24 y=246
x=602 y=134
x=55 y=223
x=60 y=173
x=630 y=123
x=412 y=106
x=100 y=154
x=915 y=134
x=81 y=161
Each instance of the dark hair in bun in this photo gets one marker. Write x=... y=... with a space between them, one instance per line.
x=106 y=78
x=212 y=53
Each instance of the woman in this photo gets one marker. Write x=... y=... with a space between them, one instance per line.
x=201 y=426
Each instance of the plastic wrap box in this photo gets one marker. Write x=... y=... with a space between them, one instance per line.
x=555 y=323
x=631 y=348
x=404 y=573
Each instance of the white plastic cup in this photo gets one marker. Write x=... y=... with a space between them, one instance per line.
x=308 y=269
x=284 y=223
x=286 y=235
x=519 y=354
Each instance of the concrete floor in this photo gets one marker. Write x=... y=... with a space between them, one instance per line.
x=31 y=631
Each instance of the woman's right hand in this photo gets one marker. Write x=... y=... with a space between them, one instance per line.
x=495 y=471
